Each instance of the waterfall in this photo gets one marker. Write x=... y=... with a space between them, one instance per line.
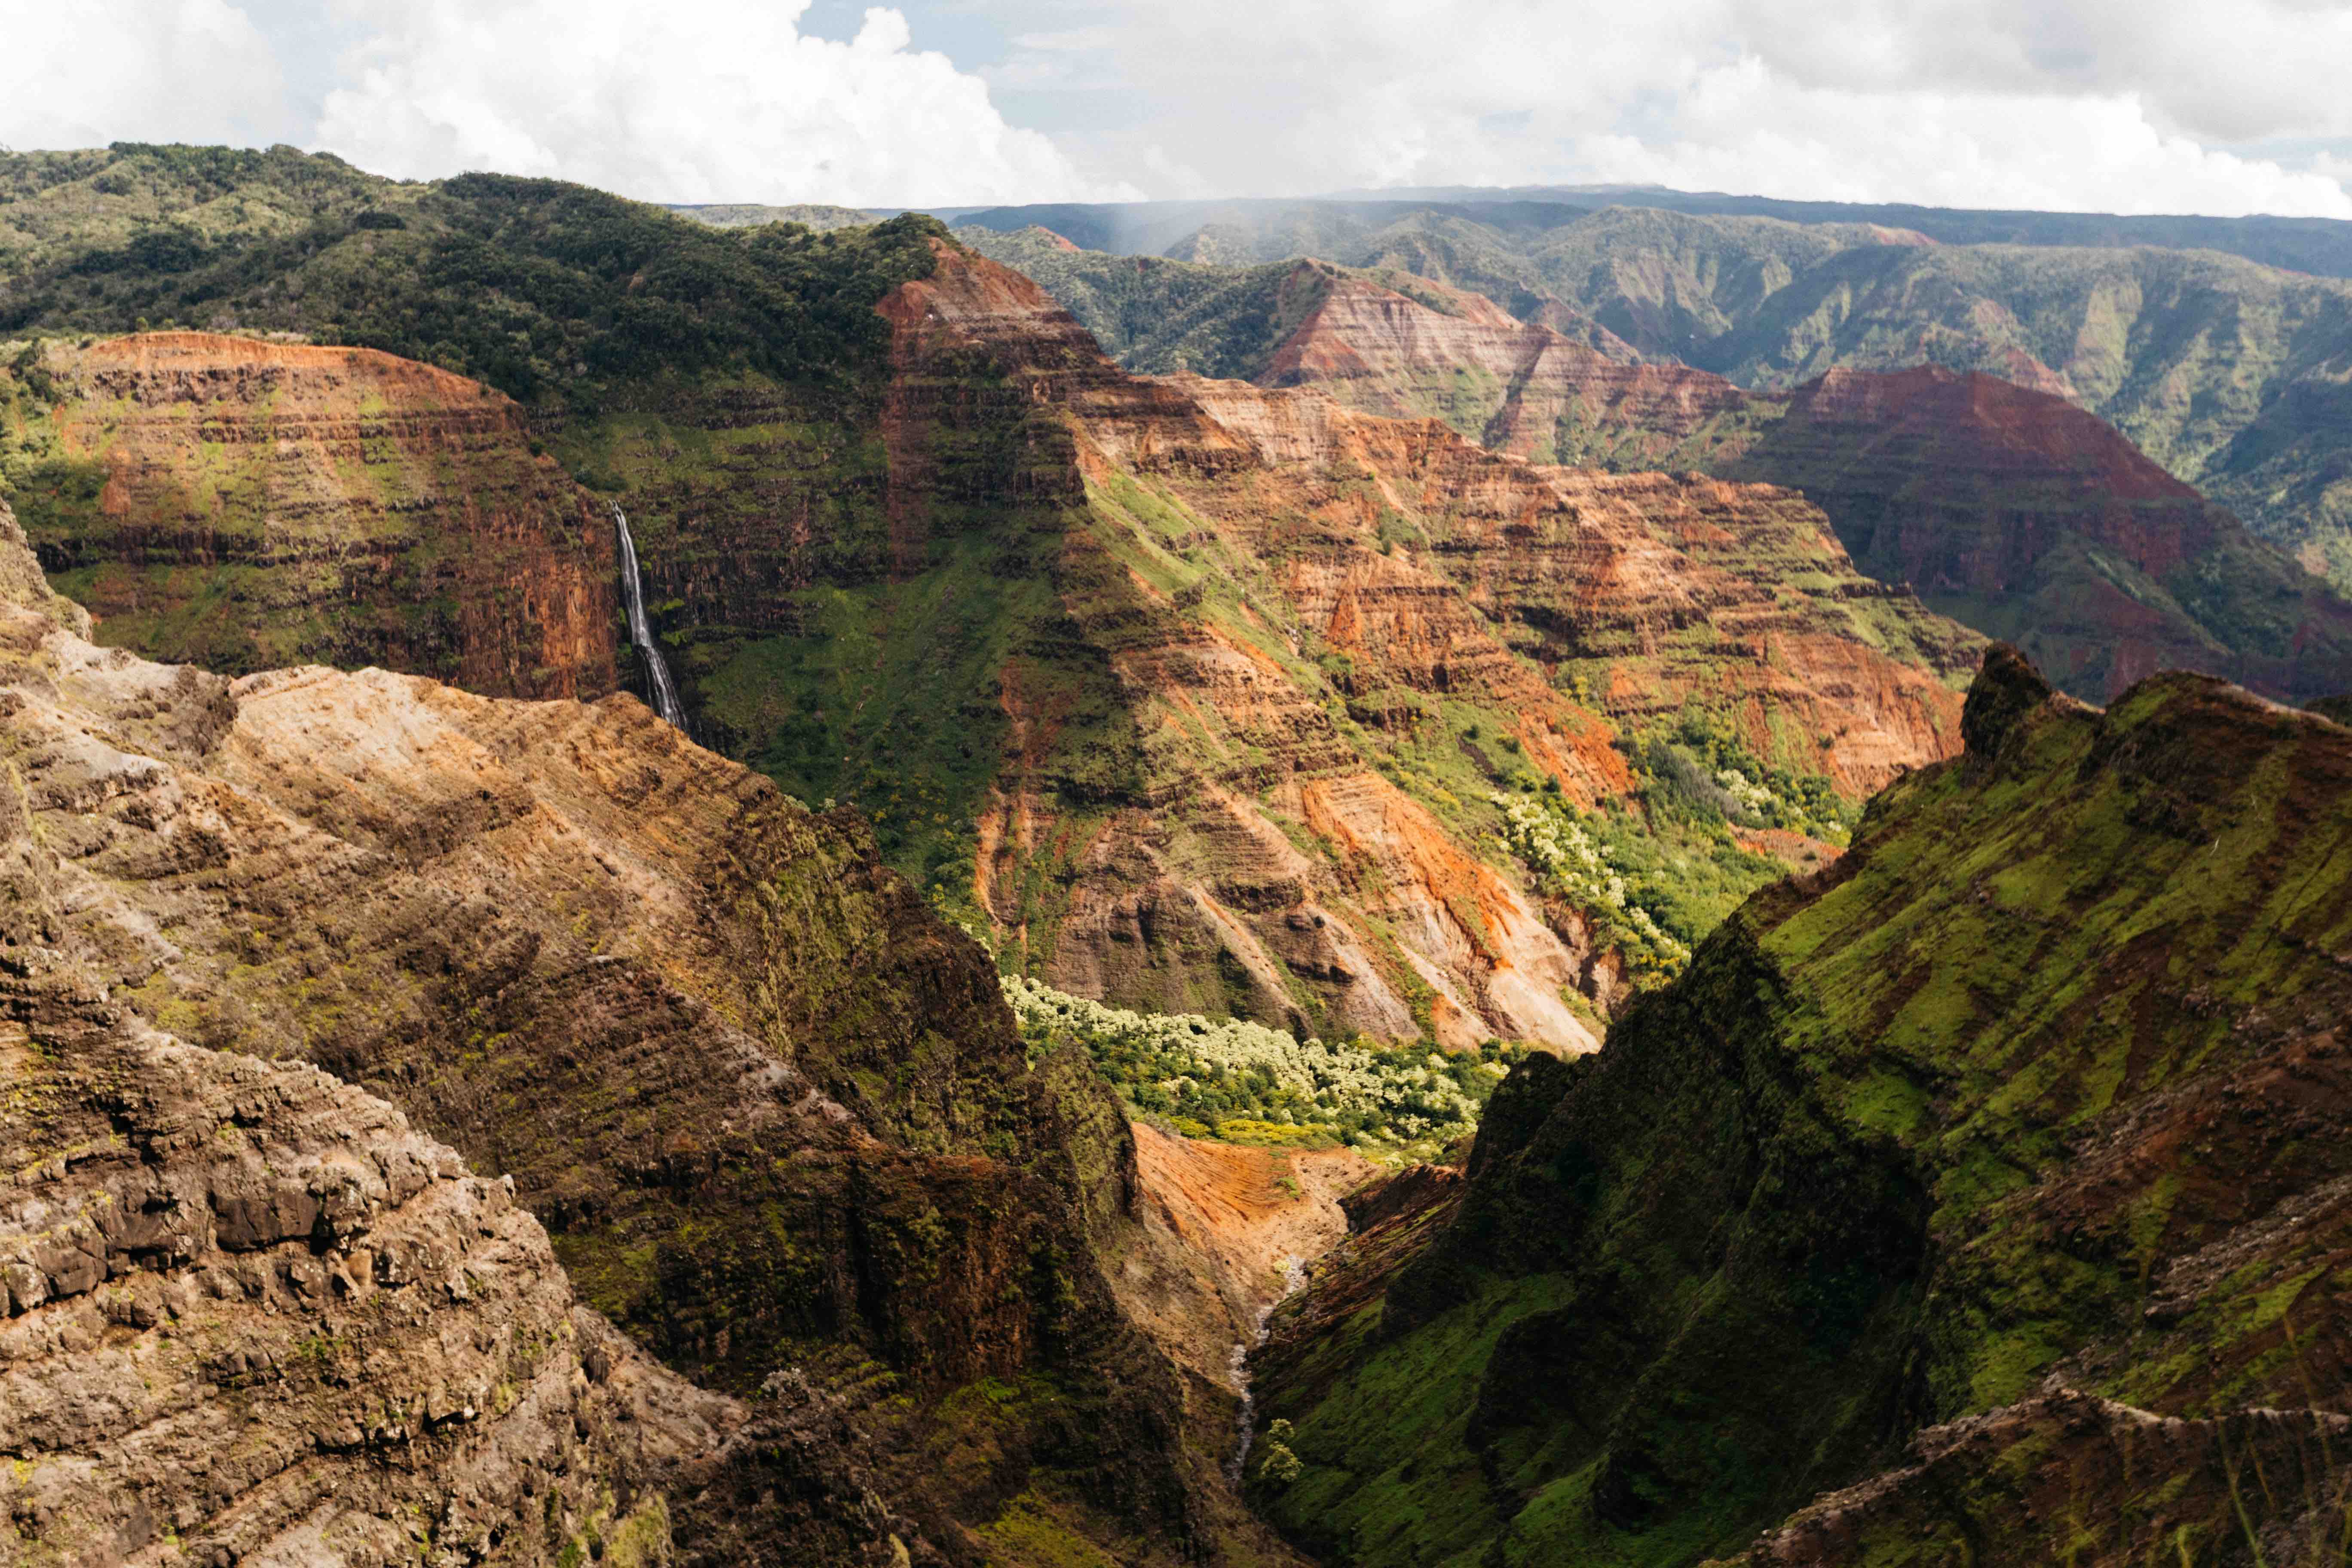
x=1294 y=1279
x=641 y=632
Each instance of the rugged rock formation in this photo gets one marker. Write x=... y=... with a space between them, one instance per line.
x=1244 y=1223
x=249 y=1314
x=773 y=1113
x=1992 y=1181
x=1282 y=589
x=1181 y=685
x=257 y=1318
x=245 y=505
x=2217 y=345
x=2003 y=505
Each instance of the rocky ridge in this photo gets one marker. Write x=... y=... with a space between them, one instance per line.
x=1982 y=1196
x=773 y=1115
x=248 y=505
x=248 y=1312
x=2228 y=369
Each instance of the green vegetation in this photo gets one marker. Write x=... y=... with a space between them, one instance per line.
x=1895 y=1149
x=548 y=292
x=1661 y=870
x=1160 y=317
x=1247 y=1083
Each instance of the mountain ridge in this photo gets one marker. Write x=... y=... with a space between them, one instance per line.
x=2227 y=371
x=1853 y=1145
x=2014 y=512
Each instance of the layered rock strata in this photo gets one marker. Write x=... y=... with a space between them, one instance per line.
x=2002 y=504
x=1981 y=1197
x=1283 y=588
x=245 y=505
x=2018 y=513
x=772 y=1114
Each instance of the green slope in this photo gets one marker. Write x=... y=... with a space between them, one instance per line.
x=2035 y=1098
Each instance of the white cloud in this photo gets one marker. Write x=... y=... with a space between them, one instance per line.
x=685 y=101
x=2098 y=104
x=95 y=71
x=1740 y=127
x=2120 y=105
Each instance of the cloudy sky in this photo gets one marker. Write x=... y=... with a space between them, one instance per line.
x=2211 y=106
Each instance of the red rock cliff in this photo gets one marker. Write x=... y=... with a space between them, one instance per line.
x=260 y=503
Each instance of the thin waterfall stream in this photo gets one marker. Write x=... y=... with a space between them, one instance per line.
x=1294 y=1279
x=641 y=632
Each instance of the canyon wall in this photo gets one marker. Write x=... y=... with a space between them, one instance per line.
x=1981 y=1195
x=771 y=1114
x=1301 y=620
x=246 y=505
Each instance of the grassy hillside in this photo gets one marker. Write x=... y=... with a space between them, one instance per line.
x=551 y=293
x=2033 y=1106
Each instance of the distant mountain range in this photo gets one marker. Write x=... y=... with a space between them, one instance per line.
x=2223 y=347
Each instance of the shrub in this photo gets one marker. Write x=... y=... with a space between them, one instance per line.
x=1261 y=1085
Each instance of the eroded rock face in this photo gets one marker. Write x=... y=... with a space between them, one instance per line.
x=245 y=505
x=255 y=1318
x=772 y=1110
x=1436 y=572
x=2013 y=510
x=1514 y=386
x=1984 y=1195
x=248 y=1313
x=2001 y=502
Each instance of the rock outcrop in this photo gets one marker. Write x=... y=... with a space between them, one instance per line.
x=245 y=505
x=1512 y=386
x=2003 y=505
x=1987 y=1189
x=255 y=1318
x=771 y=1112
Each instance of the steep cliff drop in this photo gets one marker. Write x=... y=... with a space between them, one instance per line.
x=1984 y=1198
x=759 y=1109
x=641 y=632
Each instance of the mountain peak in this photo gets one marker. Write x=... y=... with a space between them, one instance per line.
x=2005 y=689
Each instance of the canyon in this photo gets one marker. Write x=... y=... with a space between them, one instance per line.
x=2215 y=345
x=619 y=1038
x=1196 y=695
x=449 y=1113
x=1979 y=1197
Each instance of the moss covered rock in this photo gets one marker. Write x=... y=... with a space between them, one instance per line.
x=2038 y=1095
